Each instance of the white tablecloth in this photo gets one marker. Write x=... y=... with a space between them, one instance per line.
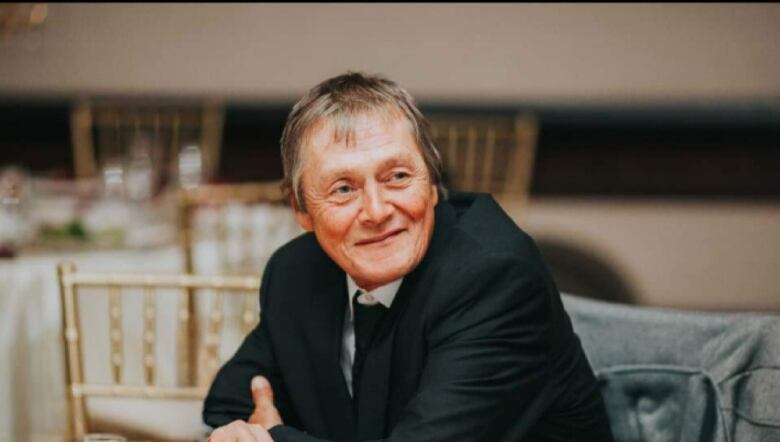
x=32 y=393
x=32 y=380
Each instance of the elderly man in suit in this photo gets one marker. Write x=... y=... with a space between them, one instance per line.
x=404 y=314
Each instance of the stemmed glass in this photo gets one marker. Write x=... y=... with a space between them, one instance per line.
x=14 y=229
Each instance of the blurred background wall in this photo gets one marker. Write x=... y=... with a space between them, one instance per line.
x=645 y=66
x=493 y=53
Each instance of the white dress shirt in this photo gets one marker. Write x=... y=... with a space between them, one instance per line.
x=383 y=295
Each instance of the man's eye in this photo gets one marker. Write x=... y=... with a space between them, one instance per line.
x=398 y=176
x=342 y=190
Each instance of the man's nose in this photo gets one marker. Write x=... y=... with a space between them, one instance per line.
x=376 y=208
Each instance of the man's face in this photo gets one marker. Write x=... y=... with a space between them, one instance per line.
x=370 y=203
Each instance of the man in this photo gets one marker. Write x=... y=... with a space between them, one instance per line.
x=403 y=315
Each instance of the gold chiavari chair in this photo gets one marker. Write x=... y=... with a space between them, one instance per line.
x=492 y=154
x=105 y=130
x=240 y=260
x=75 y=286
x=218 y=197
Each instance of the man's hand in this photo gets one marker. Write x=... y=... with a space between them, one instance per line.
x=265 y=413
x=240 y=431
x=262 y=419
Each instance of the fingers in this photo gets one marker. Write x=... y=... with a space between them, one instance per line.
x=240 y=431
x=244 y=433
x=262 y=393
x=259 y=433
x=265 y=413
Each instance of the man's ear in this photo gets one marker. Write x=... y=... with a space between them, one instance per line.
x=303 y=218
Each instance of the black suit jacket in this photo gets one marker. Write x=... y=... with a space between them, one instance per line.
x=475 y=347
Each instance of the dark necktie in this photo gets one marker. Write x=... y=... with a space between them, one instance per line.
x=366 y=319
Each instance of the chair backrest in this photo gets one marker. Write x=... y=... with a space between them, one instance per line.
x=150 y=287
x=482 y=153
x=668 y=374
x=219 y=198
x=106 y=134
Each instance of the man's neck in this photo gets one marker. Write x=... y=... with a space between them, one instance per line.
x=385 y=294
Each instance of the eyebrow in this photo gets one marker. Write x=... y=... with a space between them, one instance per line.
x=331 y=176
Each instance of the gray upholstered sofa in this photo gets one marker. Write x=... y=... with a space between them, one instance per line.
x=670 y=375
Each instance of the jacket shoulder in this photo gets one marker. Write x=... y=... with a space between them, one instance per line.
x=484 y=228
x=296 y=267
x=300 y=249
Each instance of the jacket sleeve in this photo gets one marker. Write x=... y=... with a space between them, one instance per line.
x=487 y=364
x=229 y=397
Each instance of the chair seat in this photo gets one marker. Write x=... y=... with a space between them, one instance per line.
x=143 y=419
x=676 y=375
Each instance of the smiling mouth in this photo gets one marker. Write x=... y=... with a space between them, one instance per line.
x=380 y=238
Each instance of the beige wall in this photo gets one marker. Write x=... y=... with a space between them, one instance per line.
x=702 y=255
x=473 y=52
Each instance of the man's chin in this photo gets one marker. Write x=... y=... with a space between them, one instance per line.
x=375 y=278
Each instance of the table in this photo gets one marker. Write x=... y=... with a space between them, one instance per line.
x=32 y=393
x=32 y=384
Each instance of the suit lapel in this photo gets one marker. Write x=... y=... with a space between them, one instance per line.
x=375 y=382
x=323 y=336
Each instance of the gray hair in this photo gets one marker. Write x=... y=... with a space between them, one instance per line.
x=340 y=101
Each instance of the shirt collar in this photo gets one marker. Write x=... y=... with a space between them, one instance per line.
x=384 y=294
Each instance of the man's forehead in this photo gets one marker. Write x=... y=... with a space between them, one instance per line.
x=345 y=129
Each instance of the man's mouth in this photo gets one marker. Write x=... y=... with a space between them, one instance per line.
x=379 y=238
